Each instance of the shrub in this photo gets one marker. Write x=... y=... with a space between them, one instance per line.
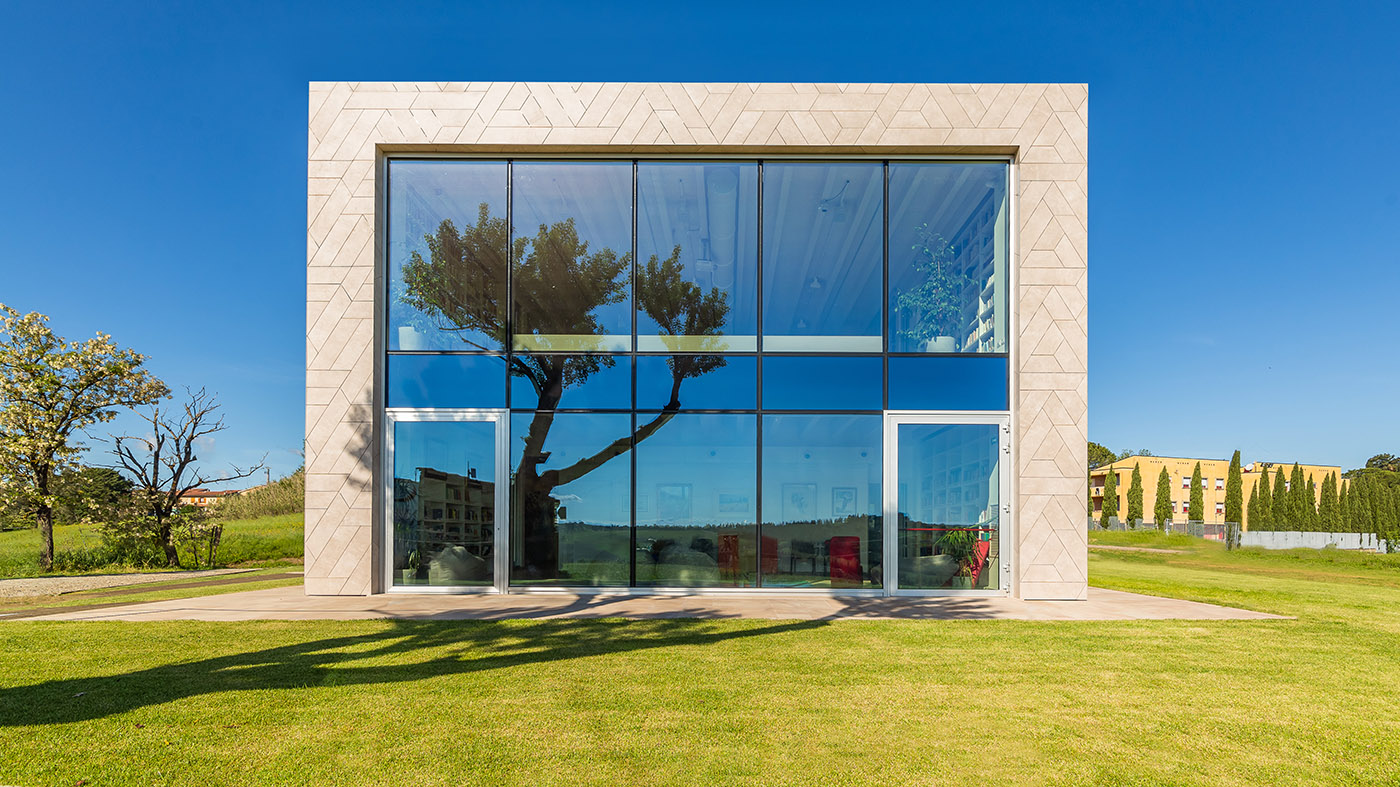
x=284 y=496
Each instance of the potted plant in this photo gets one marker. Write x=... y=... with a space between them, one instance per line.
x=961 y=547
x=934 y=309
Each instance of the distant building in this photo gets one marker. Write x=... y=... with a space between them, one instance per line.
x=203 y=498
x=1213 y=475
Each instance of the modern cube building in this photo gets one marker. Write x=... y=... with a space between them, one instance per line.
x=638 y=337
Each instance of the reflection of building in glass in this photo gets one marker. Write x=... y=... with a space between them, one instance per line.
x=445 y=509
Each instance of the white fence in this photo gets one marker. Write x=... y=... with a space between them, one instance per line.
x=1293 y=539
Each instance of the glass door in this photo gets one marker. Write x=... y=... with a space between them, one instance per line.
x=946 y=503
x=446 y=498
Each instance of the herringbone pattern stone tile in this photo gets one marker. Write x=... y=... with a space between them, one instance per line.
x=1044 y=126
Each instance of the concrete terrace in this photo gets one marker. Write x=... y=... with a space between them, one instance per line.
x=291 y=603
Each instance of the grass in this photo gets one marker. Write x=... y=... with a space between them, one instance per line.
x=258 y=541
x=155 y=591
x=1310 y=700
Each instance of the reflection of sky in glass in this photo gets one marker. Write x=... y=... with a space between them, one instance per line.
x=600 y=497
x=445 y=381
x=711 y=212
x=965 y=205
x=822 y=250
x=609 y=388
x=944 y=383
x=948 y=473
x=421 y=195
x=733 y=386
x=822 y=383
x=450 y=446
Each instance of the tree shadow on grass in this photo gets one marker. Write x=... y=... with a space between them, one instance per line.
x=385 y=657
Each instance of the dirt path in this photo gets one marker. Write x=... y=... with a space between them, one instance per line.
x=1139 y=549
x=34 y=612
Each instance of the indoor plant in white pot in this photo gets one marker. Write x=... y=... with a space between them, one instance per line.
x=935 y=306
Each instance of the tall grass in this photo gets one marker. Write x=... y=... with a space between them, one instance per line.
x=283 y=496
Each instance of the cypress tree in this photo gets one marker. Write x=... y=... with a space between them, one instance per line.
x=1162 y=506
x=1234 y=492
x=1251 y=511
x=1135 y=495
x=1197 y=510
x=1343 y=513
x=1266 y=504
x=1297 y=488
x=1278 y=513
x=1310 y=517
x=1110 y=497
x=1327 y=506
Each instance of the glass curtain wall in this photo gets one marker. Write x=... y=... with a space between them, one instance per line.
x=695 y=355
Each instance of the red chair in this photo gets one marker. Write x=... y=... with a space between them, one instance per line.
x=845 y=561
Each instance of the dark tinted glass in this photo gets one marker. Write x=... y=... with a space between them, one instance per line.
x=447 y=255
x=570 y=511
x=697 y=254
x=444 y=511
x=948 y=257
x=948 y=383
x=708 y=382
x=572 y=256
x=823 y=266
x=949 y=515
x=696 y=501
x=550 y=382
x=822 y=383
x=445 y=381
x=821 y=501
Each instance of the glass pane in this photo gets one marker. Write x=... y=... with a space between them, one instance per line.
x=697 y=252
x=447 y=255
x=548 y=382
x=571 y=507
x=572 y=256
x=948 y=383
x=444 y=503
x=696 y=501
x=822 y=257
x=796 y=383
x=708 y=382
x=446 y=381
x=821 y=501
x=949 y=503
x=948 y=257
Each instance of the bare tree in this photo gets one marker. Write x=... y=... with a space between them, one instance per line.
x=164 y=463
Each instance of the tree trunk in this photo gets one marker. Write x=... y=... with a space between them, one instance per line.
x=172 y=556
x=45 y=516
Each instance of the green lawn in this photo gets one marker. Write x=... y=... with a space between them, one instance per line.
x=245 y=541
x=1313 y=700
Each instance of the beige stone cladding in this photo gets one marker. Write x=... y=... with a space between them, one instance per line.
x=1043 y=126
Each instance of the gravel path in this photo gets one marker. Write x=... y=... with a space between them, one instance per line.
x=52 y=586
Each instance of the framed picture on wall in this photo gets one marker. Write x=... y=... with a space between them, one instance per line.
x=732 y=501
x=673 y=503
x=799 y=502
x=843 y=501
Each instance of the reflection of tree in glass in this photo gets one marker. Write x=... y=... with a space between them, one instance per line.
x=559 y=284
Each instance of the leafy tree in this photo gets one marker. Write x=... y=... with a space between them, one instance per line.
x=164 y=463
x=1110 y=497
x=1262 y=517
x=1162 y=506
x=90 y=494
x=1196 y=510
x=51 y=390
x=1389 y=462
x=1234 y=492
x=1135 y=495
x=1280 y=514
x=559 y=283
x=1100 y=455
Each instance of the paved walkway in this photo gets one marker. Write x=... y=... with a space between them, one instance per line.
x=53 y=586
x=290 y=603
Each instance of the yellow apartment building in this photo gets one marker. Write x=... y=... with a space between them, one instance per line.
x=1213 y=475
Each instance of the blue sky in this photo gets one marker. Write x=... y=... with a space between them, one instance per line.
x=1243 y=180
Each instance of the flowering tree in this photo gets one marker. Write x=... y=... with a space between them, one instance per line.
x=51 y=390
